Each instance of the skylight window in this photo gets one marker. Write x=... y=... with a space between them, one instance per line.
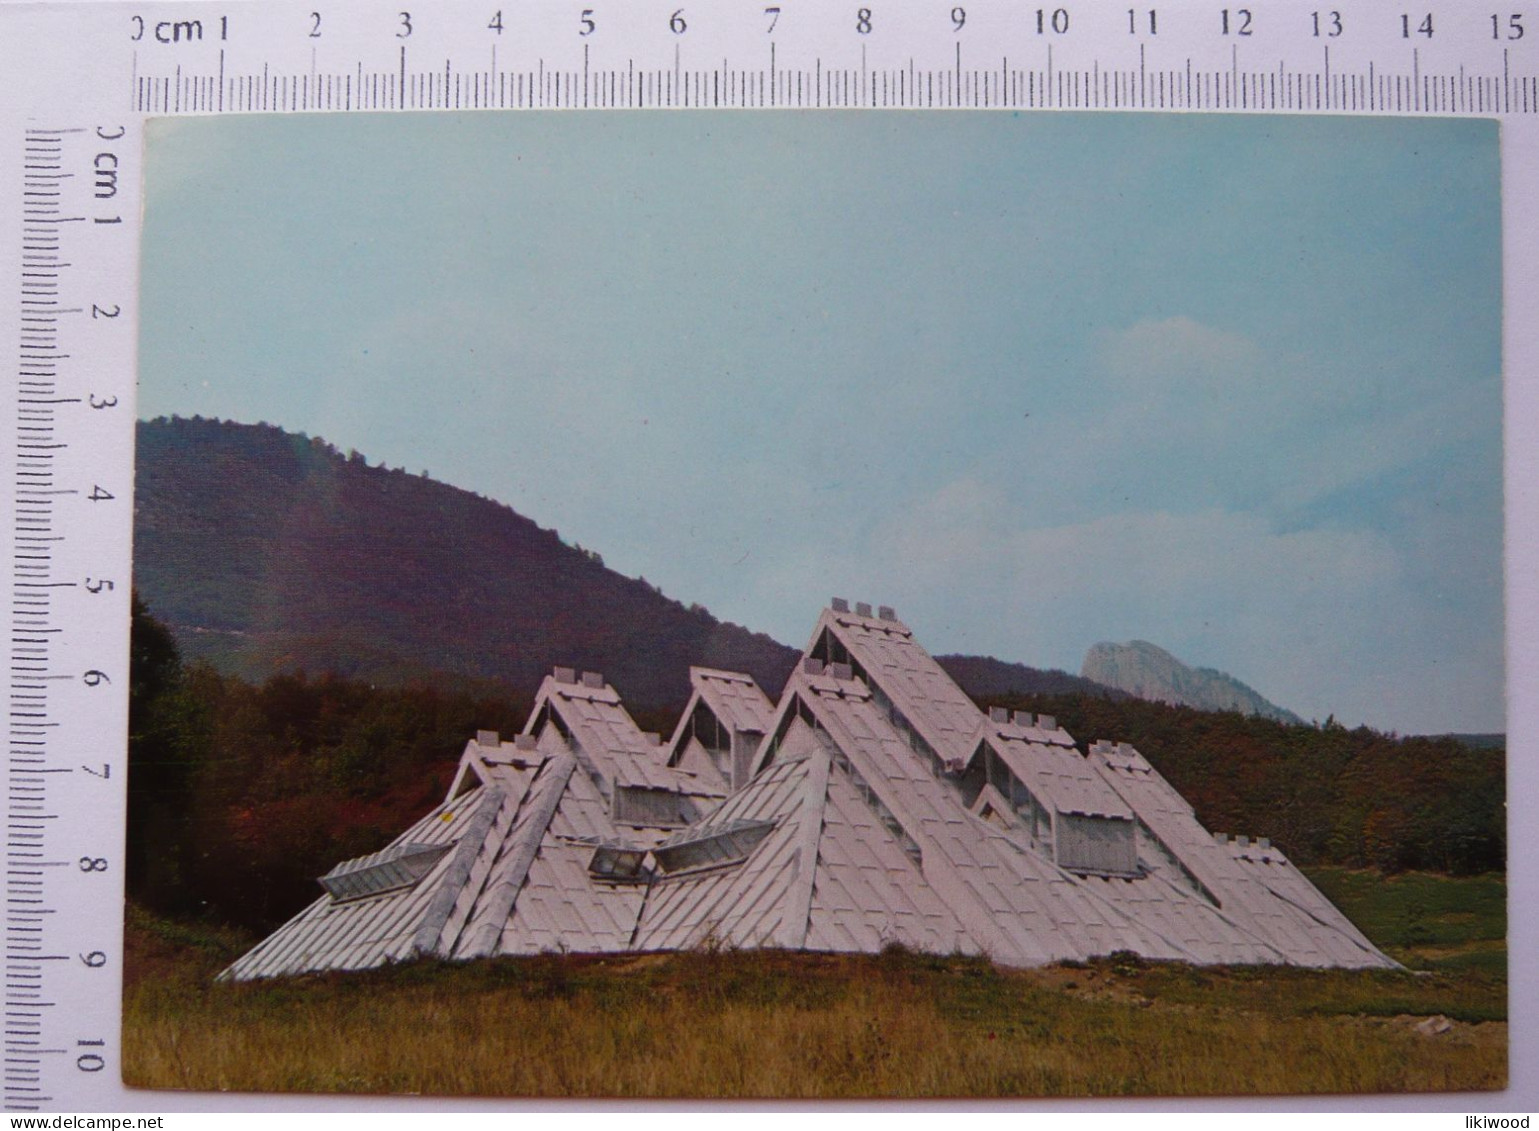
x=649 y=807
x=724 y=844
x=399 y=866
x=618 y=862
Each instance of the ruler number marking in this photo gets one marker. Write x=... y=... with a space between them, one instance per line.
x=1057 y=22
x=90 y=1061
x=1512 y=29
x=1506 y=27
x=174 y=31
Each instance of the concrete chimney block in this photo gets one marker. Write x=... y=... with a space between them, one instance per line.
x=1047 y=722
x=526 y=742
x=1263 y=842
x=1242 y=841
x=652 y=737
x=488 y=738
x=812 y=665
x=566 y=675
x=1023 y=719
x=862 y=609
x=886 y=612
x=1221 y=838
x=840 y=605
x=840 y=671
x=998 y=715
x=592 y=679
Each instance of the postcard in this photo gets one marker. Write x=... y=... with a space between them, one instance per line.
x=750 y=605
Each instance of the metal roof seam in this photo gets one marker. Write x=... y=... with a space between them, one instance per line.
x=425 y=939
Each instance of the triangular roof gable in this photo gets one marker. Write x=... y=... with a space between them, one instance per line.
x=486 y=749
x=831 y=876
x=694 y=758
x=888 y=775
x=1012 y=903
x=732 y=698
x=789 y=707
x=589 y=713
x=883 y=650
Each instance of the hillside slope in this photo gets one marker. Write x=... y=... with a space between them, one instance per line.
x=265 y=551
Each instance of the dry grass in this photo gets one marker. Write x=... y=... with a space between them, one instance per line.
x=769 y=1024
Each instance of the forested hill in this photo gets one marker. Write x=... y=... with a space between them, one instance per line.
x=984 y=677
x=264 y=552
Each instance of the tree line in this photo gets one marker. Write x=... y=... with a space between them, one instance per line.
x=1326 y=794
x=240 y=794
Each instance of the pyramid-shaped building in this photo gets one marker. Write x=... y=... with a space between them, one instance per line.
x=874 y=804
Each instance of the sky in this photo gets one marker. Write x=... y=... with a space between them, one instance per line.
x=1231 y=385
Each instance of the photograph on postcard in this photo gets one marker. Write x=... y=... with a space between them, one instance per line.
x=818 y=604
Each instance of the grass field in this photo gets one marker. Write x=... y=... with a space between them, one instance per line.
x=762 y=1024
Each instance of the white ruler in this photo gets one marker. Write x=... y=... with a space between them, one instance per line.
x=77 y=81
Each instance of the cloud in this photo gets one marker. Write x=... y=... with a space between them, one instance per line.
x=1182 y=416
x=1179 y=347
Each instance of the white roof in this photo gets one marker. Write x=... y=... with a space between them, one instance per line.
x=733 y=697
x=931 y=701
x=851 y=835
x=606 y=736
x=1059 y=775
x=1270 y=899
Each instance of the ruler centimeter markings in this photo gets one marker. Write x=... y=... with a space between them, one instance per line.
x=202 y=58
x=73 y=195
x=82 y=77
x=32 y=628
